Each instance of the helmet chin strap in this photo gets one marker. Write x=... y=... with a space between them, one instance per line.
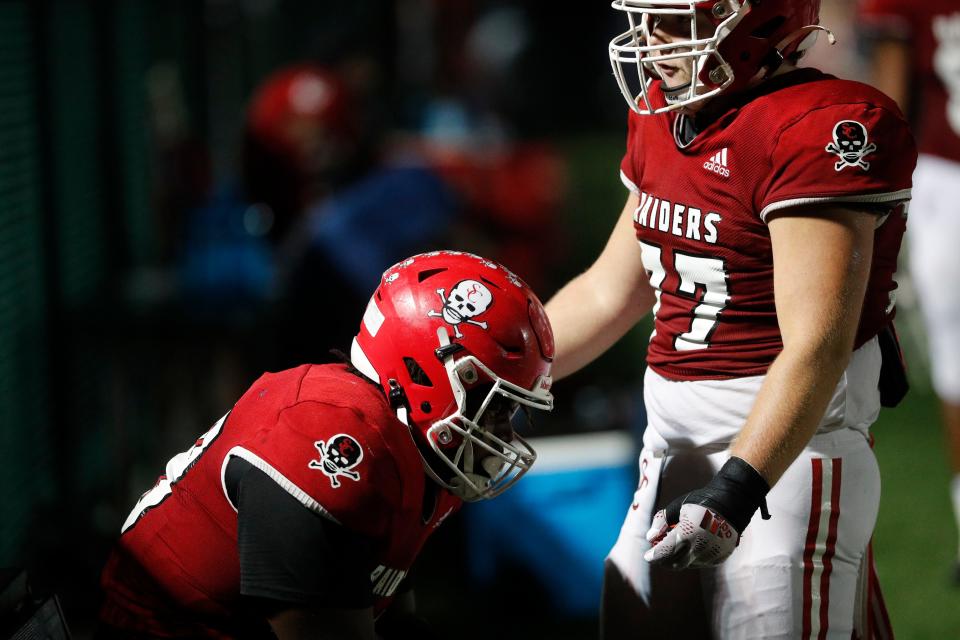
x=687 y=90
x=674 y=94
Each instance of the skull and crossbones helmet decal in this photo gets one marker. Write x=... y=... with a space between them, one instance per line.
x=458 y=343
x=467 y=299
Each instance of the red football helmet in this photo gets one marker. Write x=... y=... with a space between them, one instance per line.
x=746 y=42
x=299 y=109
x=458 y=342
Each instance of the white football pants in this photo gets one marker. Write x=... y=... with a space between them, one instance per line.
x=805 y=573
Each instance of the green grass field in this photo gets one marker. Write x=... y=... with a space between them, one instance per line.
x=915 y=540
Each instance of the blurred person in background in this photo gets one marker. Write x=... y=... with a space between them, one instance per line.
x=303 y=509
x=321 y=188
x=480 y=124
x=769 y=202
x=915 y=56
x=320 y=201
x=846 y=61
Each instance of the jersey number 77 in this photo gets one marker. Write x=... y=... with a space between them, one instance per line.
x=694 y=273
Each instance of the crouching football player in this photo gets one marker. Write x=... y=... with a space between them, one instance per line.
x=302 y=510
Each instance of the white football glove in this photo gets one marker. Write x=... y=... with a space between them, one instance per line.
x=700 y=538
x=703 y=527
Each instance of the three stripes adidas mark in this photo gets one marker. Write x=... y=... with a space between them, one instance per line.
x=718 y=164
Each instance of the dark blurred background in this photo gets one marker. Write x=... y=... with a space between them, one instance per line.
x=195 y=191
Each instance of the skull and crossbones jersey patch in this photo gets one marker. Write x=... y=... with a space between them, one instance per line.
x=852 y=144
x=467 y=300
x=339 y=455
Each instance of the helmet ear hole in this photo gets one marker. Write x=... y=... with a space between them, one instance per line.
x=417 y=374
x=490 y=282
x=768 y=28
x=423 y=275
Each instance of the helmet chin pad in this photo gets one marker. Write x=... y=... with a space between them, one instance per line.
x=493 y=477
x=675 y=95
x=472 y=487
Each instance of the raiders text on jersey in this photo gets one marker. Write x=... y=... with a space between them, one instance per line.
x=677 y=219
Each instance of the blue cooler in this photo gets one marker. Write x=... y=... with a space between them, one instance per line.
x=560 y=520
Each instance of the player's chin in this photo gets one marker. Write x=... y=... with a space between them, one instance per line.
x=691 y=108
x=677 y=88
x=680 y=93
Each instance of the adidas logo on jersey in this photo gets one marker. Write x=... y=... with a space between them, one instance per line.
x=718 y=164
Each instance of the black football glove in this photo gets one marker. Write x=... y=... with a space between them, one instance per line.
x=703 y=527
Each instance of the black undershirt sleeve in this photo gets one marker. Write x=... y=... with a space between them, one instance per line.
x=290 y=555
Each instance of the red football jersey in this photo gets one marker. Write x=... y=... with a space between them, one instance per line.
x=808 y=138
x=326 y=436
x=933 y=30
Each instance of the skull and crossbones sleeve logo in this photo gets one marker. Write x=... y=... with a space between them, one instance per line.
x=338 y=456
x=851 y=143
x=467 y=300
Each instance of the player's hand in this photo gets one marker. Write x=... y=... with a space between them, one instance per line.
x=698 y=538
x=703 y=527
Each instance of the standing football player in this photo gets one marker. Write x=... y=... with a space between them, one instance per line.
x=301 y=511
x=916 y=61
x=765 y=211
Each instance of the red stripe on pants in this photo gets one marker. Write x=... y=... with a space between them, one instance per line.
x=881 y=627
x=811 y=544
x=830 y=550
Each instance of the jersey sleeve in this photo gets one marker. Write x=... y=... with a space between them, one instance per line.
x=332 y=462
x=289 y=554
x=846 y=153
x=628 y=165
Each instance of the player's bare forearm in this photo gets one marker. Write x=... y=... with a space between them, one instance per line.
x=595 y=309
x=586 y=324
x=789 y=408
x=819 y=288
